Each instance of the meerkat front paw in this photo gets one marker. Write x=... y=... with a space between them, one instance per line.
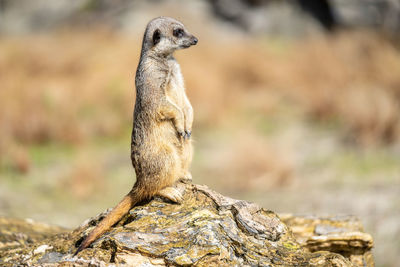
x=188 y=134
x=180 y=129
x=172 y=194
x=185 y=135
x=182 y=134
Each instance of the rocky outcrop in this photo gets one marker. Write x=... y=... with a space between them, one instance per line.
x=207 y=229
x=339 y=234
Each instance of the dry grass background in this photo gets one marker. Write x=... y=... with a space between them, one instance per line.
x=85 y=81
x=74 y=87
x=298 y=126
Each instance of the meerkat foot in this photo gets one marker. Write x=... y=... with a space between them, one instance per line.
x=171 y=193
x=186 y=178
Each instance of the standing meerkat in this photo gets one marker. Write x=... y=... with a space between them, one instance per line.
x=161 y=149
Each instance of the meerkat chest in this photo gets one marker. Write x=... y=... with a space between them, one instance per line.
x=176 y=88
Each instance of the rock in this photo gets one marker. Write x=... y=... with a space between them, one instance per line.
x=301 y=17
x=207 y=229
x=15 y=232
x=341 y=234
x=378 y=14
x=285 y=18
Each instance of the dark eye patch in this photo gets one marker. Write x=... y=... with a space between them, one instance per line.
x=156 y=37
x=178 y=32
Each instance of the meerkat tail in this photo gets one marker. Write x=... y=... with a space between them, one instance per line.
x=122 y=208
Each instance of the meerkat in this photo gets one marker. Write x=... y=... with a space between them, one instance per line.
x=161 y=149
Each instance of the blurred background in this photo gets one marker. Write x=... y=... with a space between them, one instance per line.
x=297 y=106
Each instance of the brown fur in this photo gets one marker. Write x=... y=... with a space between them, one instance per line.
x=161 y=150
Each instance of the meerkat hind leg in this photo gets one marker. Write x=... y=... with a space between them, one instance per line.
x=186 y=159
x=186 y=178
x=171 y=193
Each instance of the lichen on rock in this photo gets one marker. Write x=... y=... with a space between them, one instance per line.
x=207 y=229
x=339 y=234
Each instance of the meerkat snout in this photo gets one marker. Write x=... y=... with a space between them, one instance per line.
x=194 y=40
x=183 y=38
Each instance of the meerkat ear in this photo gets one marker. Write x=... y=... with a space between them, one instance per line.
x=156 y=37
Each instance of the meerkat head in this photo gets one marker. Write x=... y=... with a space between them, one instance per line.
x=164 y=35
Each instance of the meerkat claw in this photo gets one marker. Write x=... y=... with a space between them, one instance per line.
x=172 y=194
x=182 y=134
x=188 y=134
x=187 y=178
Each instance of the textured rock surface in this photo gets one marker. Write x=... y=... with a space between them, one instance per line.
x=341 y=234
x=207 y=229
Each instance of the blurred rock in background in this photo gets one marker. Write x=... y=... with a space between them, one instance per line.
x=285 y=17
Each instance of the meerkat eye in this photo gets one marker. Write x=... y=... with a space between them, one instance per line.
x=178 y=32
